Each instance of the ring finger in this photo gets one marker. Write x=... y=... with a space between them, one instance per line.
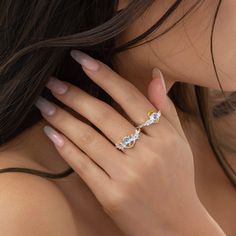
x=101 y=114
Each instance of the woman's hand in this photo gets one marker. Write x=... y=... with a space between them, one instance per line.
x=147 y=189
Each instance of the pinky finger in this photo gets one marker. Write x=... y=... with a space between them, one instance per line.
x=94 y=176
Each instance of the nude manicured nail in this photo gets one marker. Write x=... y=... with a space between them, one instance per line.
x=85 y=60
x=56 y=138
x=45 y=106
x=157 y=73
x=57 y=86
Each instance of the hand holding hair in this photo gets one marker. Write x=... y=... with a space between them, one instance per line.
x=147 y=187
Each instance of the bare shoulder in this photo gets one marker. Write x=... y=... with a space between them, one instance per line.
x=32 y=205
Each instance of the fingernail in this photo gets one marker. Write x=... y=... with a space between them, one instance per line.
x=54 y=135
x=45 y=106
x=57 y=86
x=85 y=60
x=157 y=73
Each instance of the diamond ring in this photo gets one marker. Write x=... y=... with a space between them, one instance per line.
x=154 y=117
x=129 y=140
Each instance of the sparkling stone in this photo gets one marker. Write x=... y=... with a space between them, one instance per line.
x=154 y=116
x=127 y=140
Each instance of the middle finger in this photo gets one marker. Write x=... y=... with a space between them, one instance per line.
x=101 y=114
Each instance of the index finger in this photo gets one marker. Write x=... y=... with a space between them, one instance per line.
x=133 y=102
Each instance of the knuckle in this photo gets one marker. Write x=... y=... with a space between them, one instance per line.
x=132 y=176
x=66 y=149
x=103 y=112
x=83 y=166
x=72 y=97
x=131 y=87
x=115 y=203
x=152 y=162
x=129 y=176
x=133 y=95
x=128 y=85
x=105 y=71
x=86 y=136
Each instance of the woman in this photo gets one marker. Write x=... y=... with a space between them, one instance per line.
x=174 y=175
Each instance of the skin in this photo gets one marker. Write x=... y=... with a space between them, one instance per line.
x=183 y=53
x=132 y=172
x=184 y=64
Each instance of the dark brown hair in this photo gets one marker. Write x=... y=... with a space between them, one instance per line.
x=36 y=37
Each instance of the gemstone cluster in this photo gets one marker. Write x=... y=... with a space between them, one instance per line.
x=154 y=117
x=129 y=141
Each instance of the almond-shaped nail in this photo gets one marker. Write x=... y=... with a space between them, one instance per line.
x=157 y=73
x=57 y=86
x=45 y=106
x=53 y=135
x=85 y=60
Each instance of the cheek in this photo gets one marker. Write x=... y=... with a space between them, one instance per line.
x=224 y=41
x=183 y=53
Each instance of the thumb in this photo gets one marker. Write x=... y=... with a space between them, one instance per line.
x=157 y=94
